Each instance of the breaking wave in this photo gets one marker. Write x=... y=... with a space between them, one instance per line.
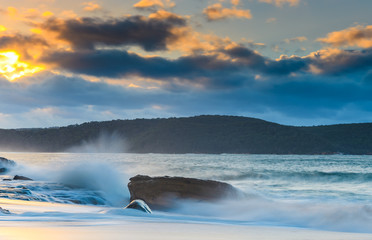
x=94 y=183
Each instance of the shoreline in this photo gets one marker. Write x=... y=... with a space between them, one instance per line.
x=42 y=220
x=164 y=231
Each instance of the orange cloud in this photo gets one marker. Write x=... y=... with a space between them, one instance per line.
x=154 y=3
x=217 y=12
x=280 y=3
x=192 y=42
x=28 y=15
x=359 y=36
x=12 y=11
x=91 y=6
x=162 y=14
x=235 y=2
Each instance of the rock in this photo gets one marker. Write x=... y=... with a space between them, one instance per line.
x=5 y=164
x=139 y=205
x=4 y=211
x=162 y=192
x=18 y=177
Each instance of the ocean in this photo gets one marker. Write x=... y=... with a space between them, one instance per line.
x=322 y=192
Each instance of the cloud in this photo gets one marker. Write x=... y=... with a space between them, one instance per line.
x=52 y=90
x=29 y=47
x=235 y=2
x=238 y=66
x=218 y=12
x=165 y=15
x=271 y=20
x=28 y=15
x=333 y=62
x=359 y=36
x=280 y=3
x=17 y=40
x=91 y=6
x=295 y=40
x=55 y=100
x=151 y=34
x=204 y=71
x=210 y=71
x=260 y=64
x=337 y=62
x=143 y=4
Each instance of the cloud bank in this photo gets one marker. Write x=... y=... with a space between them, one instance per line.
x=157 y=64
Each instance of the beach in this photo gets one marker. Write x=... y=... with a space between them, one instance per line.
x=43 y=221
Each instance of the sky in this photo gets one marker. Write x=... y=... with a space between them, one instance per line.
x=293 y=62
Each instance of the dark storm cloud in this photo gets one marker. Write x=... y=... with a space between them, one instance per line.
x=22 y=44
x=150 y=33
x=18 y=40
x=327 y=62
x=207 y=70
x=255 y=61
x=342 y=62
x=247 y=56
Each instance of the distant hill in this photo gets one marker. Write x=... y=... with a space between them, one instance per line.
x=201 y=134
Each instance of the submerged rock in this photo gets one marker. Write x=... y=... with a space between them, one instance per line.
x=162 y=192
x=4 y=211
x=139 y=205
x=18 y=177
x=6 y=164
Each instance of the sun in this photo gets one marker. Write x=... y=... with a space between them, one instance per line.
x=12 y=68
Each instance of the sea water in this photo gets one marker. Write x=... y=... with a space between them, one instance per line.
x=327 y=192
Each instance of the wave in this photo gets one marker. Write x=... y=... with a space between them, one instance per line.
x=94 y=183
x=335 y=216
x=48 y=192
x=304 y=176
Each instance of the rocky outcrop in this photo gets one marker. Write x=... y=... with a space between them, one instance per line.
x=6 y=164
x=18 y=177
x=162 y=192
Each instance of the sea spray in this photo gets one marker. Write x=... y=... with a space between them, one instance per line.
x=335 y=216
x=83 y=182
x=96 y=176
x=103 y=143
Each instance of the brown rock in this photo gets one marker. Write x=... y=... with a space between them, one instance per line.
x=162 y=192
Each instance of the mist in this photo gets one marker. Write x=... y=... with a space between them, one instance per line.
x=104 y=143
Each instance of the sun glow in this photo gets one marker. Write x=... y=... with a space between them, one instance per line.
x=12 y=68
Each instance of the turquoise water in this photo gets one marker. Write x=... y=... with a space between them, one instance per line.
x=332 y=192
